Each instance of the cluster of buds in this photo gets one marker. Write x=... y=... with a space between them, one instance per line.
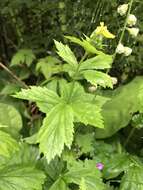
x=133 y=31
x=121 y=49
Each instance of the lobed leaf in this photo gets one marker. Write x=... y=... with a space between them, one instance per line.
x=57 y=131
x=11 y=118
x=8 y=145
x=20 y=177
x=44 y=97
x=65 y=53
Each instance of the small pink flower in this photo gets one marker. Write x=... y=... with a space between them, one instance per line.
x=100 y=166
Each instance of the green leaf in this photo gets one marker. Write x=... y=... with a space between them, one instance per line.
x=49 y=66
x=85 y=44
x=23 y=56
x=132 y=179
x=97 y=77
x=10 y=89
x=120 y=114
x=116 y=165
x=10 y=116
x=44 y=97
x=84 y=110
x=65 y=53
x=85 y=142
x=88 y=171
x=57 y=131
x=26 y=155
x=8 y=145
x=88 y=113
x=59 y=185
x=19 y=177
x=102 y=61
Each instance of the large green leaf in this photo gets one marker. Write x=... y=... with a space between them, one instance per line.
x=57 y=131
x=116 y=165
x=132 y=179
x=102 y=61
x=8 y=145
x=10 y=117
x=19 y=177
x=118 y=111
x=65 y=52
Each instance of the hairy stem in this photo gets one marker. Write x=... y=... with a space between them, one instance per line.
x=73 y=82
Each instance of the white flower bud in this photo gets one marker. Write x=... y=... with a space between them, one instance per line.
x=127 y=51
x=114 y=80
x=133 y=31
x=120 y=49
x=122 y=9
x=131 y=20
x=92 y=88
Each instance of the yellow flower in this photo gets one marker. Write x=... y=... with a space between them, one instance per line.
x=102 y=30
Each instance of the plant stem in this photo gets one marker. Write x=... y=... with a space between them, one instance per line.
x=73 y=82
x=13 y=75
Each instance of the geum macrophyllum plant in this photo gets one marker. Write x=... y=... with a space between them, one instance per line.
x=71 y=103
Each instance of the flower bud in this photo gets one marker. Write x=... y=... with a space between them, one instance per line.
x=131 y=20
x=122 y=9
x=127 y=51
x=133 y=31
x=92 y=88
x=114 y=80
x=120 y=49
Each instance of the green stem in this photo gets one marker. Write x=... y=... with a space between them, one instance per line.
x=74 y=80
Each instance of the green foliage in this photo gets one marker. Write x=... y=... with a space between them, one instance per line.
x=10 y=117
x=88 y=171
x=65 y=52
x=20 y=177
x=23 y=56
x=48 y=66
x=56 y=133
x=58 y=185
x=123 y=103
x=132 y=178
x=45 y=142
x=7 y=144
